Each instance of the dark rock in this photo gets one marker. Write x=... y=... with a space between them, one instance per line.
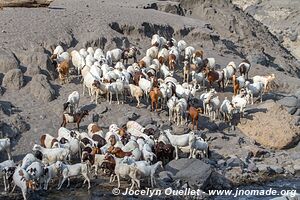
x=296 y=166
x=31 y=71
x=7 y=61
x=166 y=176
x=290 y=101
x=234 y=162
x=132 y=115
x=252 y=167
x=41 y=89
x=297 y=121
x=144 y=120
x=19 y=122
x=258 y=59
x=292 y=110
x=277 y=169
x=152 y=127
x=1 y=90
x=221 y=162
x=102 y=109
x=297 y=113
x=13 y=79
x=8 y=130
x=197 y=174
x=265 y=169
x=293 y=36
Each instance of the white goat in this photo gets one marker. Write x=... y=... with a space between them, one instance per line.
x=226 y=110
x=52 y=155
x=179 y=140
x=114 y=55
x=5 y=146
x=254 y=89
x=266 y=80
x=240 y=102
x=180 y=110
x=73 y=101
x=229 y=71
x=198 y=79
x=171 y=105
x=146 y=86
x=71 y=171
x=4 y=166
x=213 y=108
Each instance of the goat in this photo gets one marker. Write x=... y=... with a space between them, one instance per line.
x=63 y=71
x=180 y=110
x=178 y=140
x=68 y=171
x=229 y=71
x=244 y=68
x=226 y=110
x=4 y=166
x=129 y=53
x=52 y=155
x=186 y=71
x=171 y=105
x=5 y=146
x=213 y=107
x=194 y=114
x=215 y=76
x=22 y=180
x=254 y=89
x=266 y=80
x=73 y=101
x=73 y=118
x=137 y=92
x=48 y=141
x=154 y=95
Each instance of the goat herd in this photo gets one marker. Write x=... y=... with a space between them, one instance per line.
x=131 y=151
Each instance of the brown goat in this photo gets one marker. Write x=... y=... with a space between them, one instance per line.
x=215 y=76
x=236 y=85
x=194 y=114
x=137 y=76
x=172 y=62
x=73 y=118
x=63 y=71
x=154 y=95
x=199 y=53
x=118 y=152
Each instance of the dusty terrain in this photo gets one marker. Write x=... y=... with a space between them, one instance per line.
x=31 y=104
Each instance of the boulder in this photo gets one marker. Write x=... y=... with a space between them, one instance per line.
x=290 y=101
x=272 y=127
x=41 y=89
x=34 y=60
x=197 y=174
x=258 y=59
x=19 y=122
x=31 y=71
x=144 y=120
x=293 y=36
x=296 y=166
x=7 y=61
x=165 y=176
x=234 y=162
x=277 y=169
x=13 y=79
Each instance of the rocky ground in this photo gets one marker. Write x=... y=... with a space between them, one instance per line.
x=264 y=144
x=281 y=17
